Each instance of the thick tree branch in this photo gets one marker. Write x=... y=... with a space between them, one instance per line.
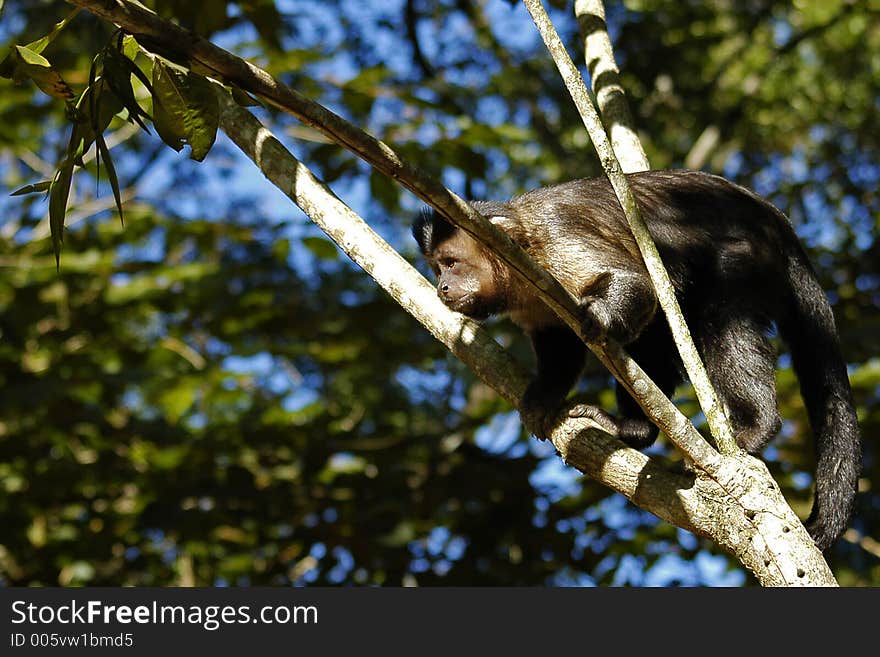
x=740 y=508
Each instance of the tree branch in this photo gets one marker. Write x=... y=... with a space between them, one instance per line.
x=607 y=88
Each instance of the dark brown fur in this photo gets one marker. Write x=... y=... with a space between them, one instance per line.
x=737 y=269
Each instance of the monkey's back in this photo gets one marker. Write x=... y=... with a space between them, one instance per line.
x=715 y=238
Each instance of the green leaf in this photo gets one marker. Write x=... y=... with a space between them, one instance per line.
x=138 y=73
x=78 y=572
x=176 y=400
x=130 y=46
x=96 y=107
x=59 y=192
x=322 y=248
x=29 y=65
x=185 y=109
x=33 y=189
x=7 y=66
x=117 y=73
x=149 y=285
x=403 y=533
x=79 y=137
x=137 y=289
x=170 y=457
x=111 y=173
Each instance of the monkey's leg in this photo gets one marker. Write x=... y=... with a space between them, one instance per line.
x=658 y=360
x=655 y=353
x=621 y=304
x=741 y=364
x=559 y=356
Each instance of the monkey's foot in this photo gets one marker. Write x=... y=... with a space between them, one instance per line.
x=636 y=433
x=606 y=421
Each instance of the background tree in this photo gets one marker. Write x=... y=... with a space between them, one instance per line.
x=203 y=397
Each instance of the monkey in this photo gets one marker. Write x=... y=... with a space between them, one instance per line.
x=738 y=270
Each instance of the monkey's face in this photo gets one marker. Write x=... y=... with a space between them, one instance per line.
x=466 y=278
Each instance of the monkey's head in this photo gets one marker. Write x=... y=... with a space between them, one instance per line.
x=469 y=280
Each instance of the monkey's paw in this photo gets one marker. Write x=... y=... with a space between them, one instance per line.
x=595 y=319
x=538 y=411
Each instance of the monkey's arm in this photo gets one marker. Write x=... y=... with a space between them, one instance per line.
x=559 y=356
x=618 y=303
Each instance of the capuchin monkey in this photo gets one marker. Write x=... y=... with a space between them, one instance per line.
x=737 y=268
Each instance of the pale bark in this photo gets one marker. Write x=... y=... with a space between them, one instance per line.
x=607 y=88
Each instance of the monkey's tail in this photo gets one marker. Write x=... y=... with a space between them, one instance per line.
x=818 y=362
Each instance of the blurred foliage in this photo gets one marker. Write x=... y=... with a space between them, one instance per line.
x=212 y=395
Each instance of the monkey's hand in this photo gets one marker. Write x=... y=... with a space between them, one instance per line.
x=595 y=318
x=539 y=409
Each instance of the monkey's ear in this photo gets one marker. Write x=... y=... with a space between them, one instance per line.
x=504 y=223
x=429 y=229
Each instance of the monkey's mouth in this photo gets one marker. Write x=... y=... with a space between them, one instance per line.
x=471 y=306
